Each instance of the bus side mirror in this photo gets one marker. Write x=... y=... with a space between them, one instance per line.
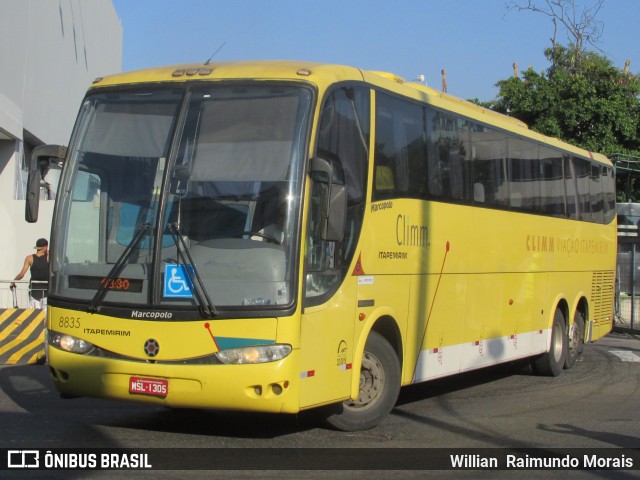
x=337 y=213
x=32 y=202
x=44 y=152
x=334 y=205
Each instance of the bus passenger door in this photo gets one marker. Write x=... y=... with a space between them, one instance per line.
x=327 y=344
x=328 y=319
x=336 y=202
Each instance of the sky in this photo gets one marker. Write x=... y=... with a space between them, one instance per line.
x=475 y=41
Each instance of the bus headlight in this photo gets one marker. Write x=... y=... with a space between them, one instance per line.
x=69 y=343
x=255 y=354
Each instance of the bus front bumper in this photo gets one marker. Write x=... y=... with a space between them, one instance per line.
x=266 y=387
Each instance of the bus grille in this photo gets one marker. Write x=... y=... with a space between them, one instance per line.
x=602 y=295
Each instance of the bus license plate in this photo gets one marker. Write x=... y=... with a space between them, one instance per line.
x=156 y=387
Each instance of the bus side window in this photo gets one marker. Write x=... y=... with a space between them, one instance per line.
x=489 y=153
x=571 y=187
x=447 y=157
x=400 y=153
x=609 y=190
x=597 y=199
x=524 y=176
x=583 y=180
x=552 y=185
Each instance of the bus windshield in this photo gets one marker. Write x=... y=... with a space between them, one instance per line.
x=194 y=191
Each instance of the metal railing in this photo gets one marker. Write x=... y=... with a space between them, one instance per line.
x=18 y=297
x=627 y=301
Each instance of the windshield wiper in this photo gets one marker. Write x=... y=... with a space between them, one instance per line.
x=117 y=269
x=202 y=297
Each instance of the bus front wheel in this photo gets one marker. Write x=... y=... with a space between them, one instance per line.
x=551 y=363
x=379 y=388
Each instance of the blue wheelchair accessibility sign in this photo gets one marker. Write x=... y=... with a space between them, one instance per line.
x=176 y=282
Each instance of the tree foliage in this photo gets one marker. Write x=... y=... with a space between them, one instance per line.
x=589 y=103
x=595 y=106
x=582 y=98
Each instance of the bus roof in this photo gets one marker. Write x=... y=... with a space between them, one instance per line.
x=324 y=75
x=452 y=99
x=266 y=70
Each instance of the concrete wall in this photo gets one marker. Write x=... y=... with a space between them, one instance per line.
x=50 y=51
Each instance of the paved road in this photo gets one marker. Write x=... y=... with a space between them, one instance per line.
x=593 y=405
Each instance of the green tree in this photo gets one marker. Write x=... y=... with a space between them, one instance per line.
x=582 y=99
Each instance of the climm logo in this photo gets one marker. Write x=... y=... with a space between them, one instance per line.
x=540 y=243
x=409 y=234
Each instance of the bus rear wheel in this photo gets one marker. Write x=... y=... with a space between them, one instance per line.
x=379 y=388
x=551 y=363
x=576 y=341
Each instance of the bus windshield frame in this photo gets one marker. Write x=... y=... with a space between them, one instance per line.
x=212 y=173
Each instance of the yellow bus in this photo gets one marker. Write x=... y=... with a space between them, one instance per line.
x=281 y=236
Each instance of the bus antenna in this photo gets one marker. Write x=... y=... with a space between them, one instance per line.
x=214 y=53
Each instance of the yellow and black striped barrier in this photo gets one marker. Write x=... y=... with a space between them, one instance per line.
x=21 y=336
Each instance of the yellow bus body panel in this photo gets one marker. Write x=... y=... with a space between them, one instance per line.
x=466 y=287
x=482 y=285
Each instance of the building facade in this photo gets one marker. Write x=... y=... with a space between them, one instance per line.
x=50 y=52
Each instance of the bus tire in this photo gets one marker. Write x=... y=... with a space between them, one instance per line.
x=551 y=363
x=576 y=341
x=379 y=389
